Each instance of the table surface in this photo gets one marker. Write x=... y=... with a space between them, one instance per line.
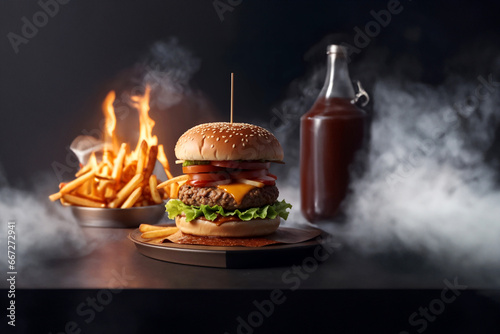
x=115 y=262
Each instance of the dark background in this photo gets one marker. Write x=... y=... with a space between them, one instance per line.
x=52 y=88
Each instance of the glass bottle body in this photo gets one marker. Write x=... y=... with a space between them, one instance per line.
x=332 y=131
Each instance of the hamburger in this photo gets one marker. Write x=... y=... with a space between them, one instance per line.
x=228 y=190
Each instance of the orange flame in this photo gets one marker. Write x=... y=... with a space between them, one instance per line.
x=112 y=148
x=110 y=141
x=146 y=124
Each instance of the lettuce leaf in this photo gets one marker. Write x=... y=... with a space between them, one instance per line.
x=175 y=207
x=194 y=162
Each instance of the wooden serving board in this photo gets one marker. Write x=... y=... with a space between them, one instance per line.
x=226 y=257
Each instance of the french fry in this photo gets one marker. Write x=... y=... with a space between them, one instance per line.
x=64 y=203
x=107 y=157
x=171 y=189
x=147 y=227
x=110 y=192
x=106 y=171
x=89 y=197
x=77 y=182
x=102 y=184
x=97 y=190
x=152 y=154
x=141 y=160
x=72 y=185
x=162 y=158
x=174 y=190
x=170 y=181
x=134 y=196
x=165 y=232
x=76 y=200
x=55 y=196
x=118 y=164
x=155 y=194
x=88 y=187
x=83 y=170
x=126 y=190
x=129 y=171
x=82 y=190
x=166 y=190
x=93 y=187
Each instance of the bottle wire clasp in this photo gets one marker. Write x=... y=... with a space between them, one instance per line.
x=360 y=94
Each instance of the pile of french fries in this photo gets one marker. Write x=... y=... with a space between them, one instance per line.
x=118 y=180
x=156 y=234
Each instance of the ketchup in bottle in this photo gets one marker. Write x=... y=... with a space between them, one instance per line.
x=331 y=133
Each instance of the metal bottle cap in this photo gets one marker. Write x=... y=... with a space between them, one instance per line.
x=334 y=48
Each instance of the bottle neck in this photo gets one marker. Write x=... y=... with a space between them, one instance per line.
x=337 y=82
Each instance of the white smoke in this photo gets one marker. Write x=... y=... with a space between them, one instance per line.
x=44 y=231
x=169 y=68
x=431 y=181
x=427 y=186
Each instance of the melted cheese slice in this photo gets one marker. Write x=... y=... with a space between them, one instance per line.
x=237 y=190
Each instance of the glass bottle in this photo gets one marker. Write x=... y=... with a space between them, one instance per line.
x=331 y=133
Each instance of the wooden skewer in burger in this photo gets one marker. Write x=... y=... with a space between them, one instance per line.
x=226 y=189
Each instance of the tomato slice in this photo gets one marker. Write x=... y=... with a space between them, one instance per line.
x=267 y=177
x=201 y=169
x=272 y=175
x=196 y=183
x=208 y=177
x=242 y=164
x=248 y=174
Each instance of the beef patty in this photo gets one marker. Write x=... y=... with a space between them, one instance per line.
x=214 y=196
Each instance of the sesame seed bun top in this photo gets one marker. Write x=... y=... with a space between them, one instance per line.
x=228 y=141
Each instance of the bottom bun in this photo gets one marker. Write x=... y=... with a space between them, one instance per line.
x=251 y=228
